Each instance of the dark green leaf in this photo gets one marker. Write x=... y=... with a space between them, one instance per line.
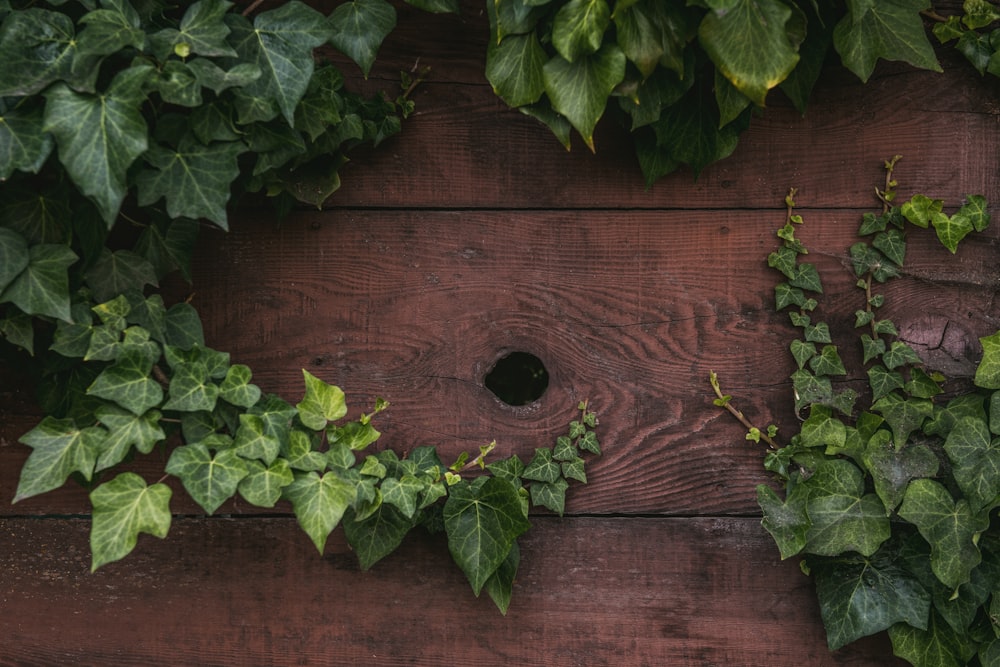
x=578 y=28
x=117 y=272
x=903 y=415
x=42 y=287
x=482 y=523
x=889 y=29
x=110 y=29
x=37 y=47
x=542 y=468
x=787 y=522
x=13 y=256
x=359 y=28
x=975 y=459
x=892 y=243
x=123 y=508
x=579 y=90
x=939 y=645
x=514 y=69
x=551 y=495
x=377 y=535
x=843 y=517
x=827 y=362
x=24 y=145
x=883 y=381
x=892 y=468
x=501 y=583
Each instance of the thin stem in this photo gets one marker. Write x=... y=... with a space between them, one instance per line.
x=252 y=6
x=726 y=402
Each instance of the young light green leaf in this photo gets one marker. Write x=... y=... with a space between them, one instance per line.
x=482 y=523
x=210 y=480
x=59 y=449
x=123 y=508
x=579 y=90
x=951 y=230
x=42 y=287
x=319 y=503
x=100 y=136
x=749 y=44
x=988 y=371
x=950 y=527
x=889 y=29
x=321 y=404
x=922 y=210
x=355 y=435
x=359 y=27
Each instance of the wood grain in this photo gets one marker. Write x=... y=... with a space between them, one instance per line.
x=590 y=591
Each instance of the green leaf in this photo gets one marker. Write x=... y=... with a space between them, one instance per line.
x=861 y=596
x=883 y=381
x=127 y=382
x=319 y=503
x=786 y=260
x=42 y=287
x=889 y=29
x=514 y=69
x=355 y=435
x=500 y=585
x=377 y=535
x=988 y=370
x=117 y=272
x=579 y=90
x=482 y=523
x=974 y=211
x=403 y=493
x=201 y=31
x=236 y=387
x=436 y=6
x=264 y=484
x=951 y=230
x=24 y=145
x=939 y=645
x=280 y=44
x=748 y=42
x=37 y=47
x=542 y=468
x=321 y=404
x=126 y=430
x=59 y=449
x=949 y=527
x=110 y=29
x=892 y=469
x=359 y=27
x=551 y=495
x=253 y=441
x=300 y=453
x=843 y=517
x=18 y=329
x=786 y=521
x=123 y=508
x=802 y=352
x=822 y=429
x=975 y=459
x=827 y=362
x=14 y=257
x=785 y=295
x=689 y=131
x=209 y=480
x=194 y=179
x=900 y=354
x=892 y=243
x=922 y=210
x=191 y=389
x=904 y=416
x=183 y=326
x=579 y=26
x=807 y=277
x=100 y=136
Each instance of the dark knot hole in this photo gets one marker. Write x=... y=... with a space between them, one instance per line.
x=518 y=378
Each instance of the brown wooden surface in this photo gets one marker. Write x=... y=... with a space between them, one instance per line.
x=474 y=234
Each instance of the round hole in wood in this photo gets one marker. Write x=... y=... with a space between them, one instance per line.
x=518 y=378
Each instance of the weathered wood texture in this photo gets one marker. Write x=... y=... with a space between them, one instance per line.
x=474 y=234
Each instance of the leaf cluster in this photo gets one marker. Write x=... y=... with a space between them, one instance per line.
x=686 y=77
x=890 y=495
x=144 y=374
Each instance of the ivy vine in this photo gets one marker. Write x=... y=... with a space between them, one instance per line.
x=890 y=494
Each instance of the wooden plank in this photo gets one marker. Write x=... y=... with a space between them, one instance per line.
x=465 y=148
x=589 y=592
x=631 y=310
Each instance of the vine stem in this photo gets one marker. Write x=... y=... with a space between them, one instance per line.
x=252 y=6
x=726 y=402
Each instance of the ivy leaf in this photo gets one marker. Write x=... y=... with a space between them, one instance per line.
x=191 y=389
x=975 y=458
x=892 y=243
x=551 y=495
x=59 y=449
x=123 y=508
x=403 y=493
x=938 y=645
x=354 y=435
x=748 y=42
x=786 y=521
x=542 y=468
x=359 y=28
x=500 y=585
x=299 y=453
x=482 y=523
x=110 y=29
x=827 y=362
x=117 y=272
x=254 y=441
x=949 y=527
x=951 y=230
x=263 y=484
x=201 y=31
x=24 y=145
x=640 y=36
x=904 y=416
x=194 y=179
x=514 y=68
x=843 y=516
x=377 y=535
x=785 y=295
x=974 y=211
x=13 y=257
x=861 y=596
x=579 y=26
x=319 y=503
x=922 y=210
x=127 y=382
x=37 y=47
x=889 y=29
x=892 y=468
x=236 y=388
x=988 y=371
x=436 y=6
x=126 y=430
x=822 y=429
x=802 y=352
x=321 y=404
x=42 y=287
x=280 y=44
x=900 y=354
x=807 y=277
x=210 y=480
x=579 y=90
x=100 y=136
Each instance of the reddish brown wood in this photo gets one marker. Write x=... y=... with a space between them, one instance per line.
x=239 y=592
